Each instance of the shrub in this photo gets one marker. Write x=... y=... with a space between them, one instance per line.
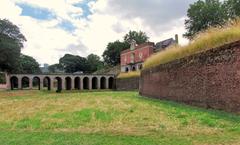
x=211 y=38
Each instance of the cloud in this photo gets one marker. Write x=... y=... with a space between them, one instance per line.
x=81 y=27
x=158 y=14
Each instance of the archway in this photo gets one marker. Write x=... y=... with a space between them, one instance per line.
x=86 y=83
x=58 y=83
x=111 y=83
x=103 y=83
x=140 y=67
x=68 y=82
x=25 y=82
x=36 y=83
x=77 y=83
x=133 y=68
x=126 y=69
x=47 y=83
x=94 y=83
x=14 y=82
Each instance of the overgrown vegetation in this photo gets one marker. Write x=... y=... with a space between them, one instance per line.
x=211 y=38
x=109 y=118
x=2 y=78
x=131 y=74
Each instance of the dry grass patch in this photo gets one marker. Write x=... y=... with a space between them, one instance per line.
x=211 y=38
x=131 y=74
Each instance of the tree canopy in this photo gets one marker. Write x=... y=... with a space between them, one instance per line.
x=94 y=63
x=202 y=15
x=210 y=13
x=111 y=55
x=11 y=42
x=140 y=37
x=232 y=8
x=27 y=65
x=73 y=63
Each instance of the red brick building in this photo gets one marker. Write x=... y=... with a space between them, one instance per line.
x=132 y=59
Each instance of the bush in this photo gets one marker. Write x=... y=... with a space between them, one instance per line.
x=211 y=38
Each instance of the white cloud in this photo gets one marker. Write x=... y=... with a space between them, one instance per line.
x=47 y=42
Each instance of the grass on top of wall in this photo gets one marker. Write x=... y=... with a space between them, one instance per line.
x=211 y=38
x=132 y=74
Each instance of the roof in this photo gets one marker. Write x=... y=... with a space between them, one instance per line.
x=165 y=43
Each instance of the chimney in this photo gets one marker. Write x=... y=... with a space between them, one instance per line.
x=176 y=38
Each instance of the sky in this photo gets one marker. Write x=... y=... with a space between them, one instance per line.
x=81 y=27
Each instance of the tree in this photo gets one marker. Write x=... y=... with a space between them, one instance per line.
x=111 y=55
x=28 y=65
x=55 y=68
x=73 y=63
x=11 y=42
x=232 y=8
x=94 y=63
x=140 y=37
x=204 y=14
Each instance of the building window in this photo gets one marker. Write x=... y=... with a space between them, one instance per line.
x=132 y=57
x=140 y=66
x=140 y=55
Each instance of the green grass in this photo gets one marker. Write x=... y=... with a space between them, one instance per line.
x=209 y=39
x=106 y=118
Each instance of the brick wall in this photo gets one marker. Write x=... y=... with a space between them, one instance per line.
x=128 y=84
x=210 y=79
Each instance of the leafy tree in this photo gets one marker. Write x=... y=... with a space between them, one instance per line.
x=232 y=8
x=28 y=65
x=73 y=63
x=111 y=55
x=203 y=14
x=94 y=63
x=55 y=68
x=11 y=42
x=140 y=37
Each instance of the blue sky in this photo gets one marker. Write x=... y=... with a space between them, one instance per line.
x=45 y=14
x=81 y=27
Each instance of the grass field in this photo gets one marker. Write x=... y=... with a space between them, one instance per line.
x=106 y=118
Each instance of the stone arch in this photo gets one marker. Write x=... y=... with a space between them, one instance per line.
x=86 y=83
x=36 y=82
x=25 y=82
x=14 y=82
x=140 y=66
x=103 y=83
x=133 y=68
x=111 y=83
x=94 y=83
x=126 y=69
x=47 y=82
x=68 y=83
x=58 y=83
x=77 y=83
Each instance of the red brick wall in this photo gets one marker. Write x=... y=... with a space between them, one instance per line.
x=127 y=84
x=145 y=50
x=210 y=79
